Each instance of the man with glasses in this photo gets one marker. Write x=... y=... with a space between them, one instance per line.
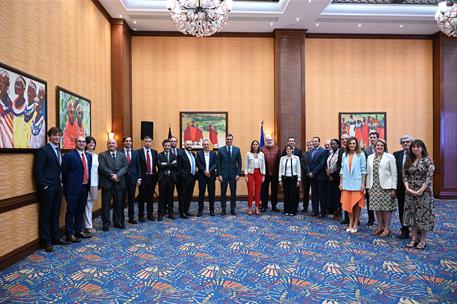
x=400 y=157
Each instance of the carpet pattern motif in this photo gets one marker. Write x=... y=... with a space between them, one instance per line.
x=270 y=258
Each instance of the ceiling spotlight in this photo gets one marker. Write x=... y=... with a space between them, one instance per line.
x=134 y=21
x=359 y=25
x=271 y=23
x=401 y=25
x=120 y=16
x=298 y=19
x=134 y=29
x=309 y=1
x=317 y=24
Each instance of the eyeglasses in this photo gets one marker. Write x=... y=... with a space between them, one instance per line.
x=81 y=141
x=406 y=142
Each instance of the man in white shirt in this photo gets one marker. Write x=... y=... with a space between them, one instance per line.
x=206 y=175
x=187 y=175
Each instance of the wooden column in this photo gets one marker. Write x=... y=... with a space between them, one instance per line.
x=121 y=79
x=290 y=86
x=445 y=116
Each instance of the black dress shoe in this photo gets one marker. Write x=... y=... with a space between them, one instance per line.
x=83 y=235
x=183 y=216
x=159 y=218
x=275 y=209
x=105 y=227
x=73 y=239
x=171 y=217
x=223 y=212
x=322 y=216
x=141 y=219
x=61 y=241
x=263 y=209
x=48 y=248
x=133 y=222
x=151 y=218
x=189 y=214
x=212 y=213
x=315 y=214
x=200 y=213
x=233 y=212
x=120 y=226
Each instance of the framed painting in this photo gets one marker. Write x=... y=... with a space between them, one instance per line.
x=361 y=124
x=73 y=117
x=23 y=110
x=196 y=126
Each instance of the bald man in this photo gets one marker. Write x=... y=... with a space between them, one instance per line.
x=112 y=168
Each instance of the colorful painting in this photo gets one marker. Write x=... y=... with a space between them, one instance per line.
x=196 y=126
x=23 y=115
x=74 y=117
x=360 y=125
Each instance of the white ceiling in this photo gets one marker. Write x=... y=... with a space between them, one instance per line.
x=317 y=16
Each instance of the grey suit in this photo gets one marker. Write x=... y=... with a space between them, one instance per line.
x=112 y=190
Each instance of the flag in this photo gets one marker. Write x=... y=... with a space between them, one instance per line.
x=262 y=136
x=169 y=133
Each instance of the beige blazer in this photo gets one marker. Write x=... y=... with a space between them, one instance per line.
x=387 y=171
x=249 y=167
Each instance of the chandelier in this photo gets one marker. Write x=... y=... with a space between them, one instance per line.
x=199 y=17
x=446 y=18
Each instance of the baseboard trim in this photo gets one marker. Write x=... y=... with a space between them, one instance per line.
x=19 y=201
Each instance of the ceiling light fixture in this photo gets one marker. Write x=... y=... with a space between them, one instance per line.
x=134 y=21
x=401 y=25
x=120 y=16
x=446 y=18
x=199 y=18
x=271 y=23
x=298 y=19
x=359 y=25
x=317 y=24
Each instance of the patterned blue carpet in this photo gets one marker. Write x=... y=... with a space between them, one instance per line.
x=244 y=259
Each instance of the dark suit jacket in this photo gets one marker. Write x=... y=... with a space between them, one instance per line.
x=399 y=160
x=142 y=162
x=47 y=168
x=107 y=166
x=297 y=152
x=133 y=173
x=305 y=160
x=164 y=165
x=229 y=167
x=317 y=164
x=201 y=164
x=73 y=172
x=184 y=163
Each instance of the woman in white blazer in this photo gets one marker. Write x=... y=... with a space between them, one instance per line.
x=255 y=175
x=289 y=179
x=93 y=192
x=382 y=183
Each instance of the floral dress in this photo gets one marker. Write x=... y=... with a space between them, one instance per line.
x=419 y=210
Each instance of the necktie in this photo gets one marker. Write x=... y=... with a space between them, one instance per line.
x=192 y=163
x=86 y=172
x=148 y=162
x=405 y=154
x=168 y=157
x=113 y=155
x=59 y=157
x=313 y=153
x=128 y=157
x=230 y=151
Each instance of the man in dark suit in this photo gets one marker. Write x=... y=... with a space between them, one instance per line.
x=206 y=163
x=317 y=176
x=112 y=169
x=400 y=157
x=132 y=179
x=374 y=136
x=47 y=175
x=148 y=173
x=229 y=171
x=167 y=163
x=176 y=151
x=305 y=160
x=187 y=174
x=76 y=166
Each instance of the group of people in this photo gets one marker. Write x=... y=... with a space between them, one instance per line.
x=340 y=177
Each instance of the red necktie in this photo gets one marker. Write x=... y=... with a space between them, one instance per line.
x=86 y=172
x=128 y=156
x=148 y=162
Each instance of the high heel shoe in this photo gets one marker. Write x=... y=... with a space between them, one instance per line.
x=249 y=211
x=353 y=230
x=257 y=211
x=378 y=232
x=412 y=244
x=348 y=229
x=421 y=245
x=385 y=233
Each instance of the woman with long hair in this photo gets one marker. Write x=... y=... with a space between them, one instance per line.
x=352 y=183
x=417 y=177
x=255 y=175
x=93 y=190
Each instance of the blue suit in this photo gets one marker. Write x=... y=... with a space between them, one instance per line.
x=74 y=190
x=228 y=166
x=317 y=167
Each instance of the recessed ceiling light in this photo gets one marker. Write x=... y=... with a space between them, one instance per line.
x=271 y=23
x=120 y=16
x=134 y=21
x=359 y=25
x=309 y=1
x=317 y=24
x=298 y=19
x=401 y=25
x=134 y=29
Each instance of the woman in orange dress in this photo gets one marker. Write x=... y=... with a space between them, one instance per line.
x=352 y=183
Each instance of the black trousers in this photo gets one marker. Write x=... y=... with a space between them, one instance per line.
x=370 y=212
x=50 y=202
x=226 y=182
x=203 y=184
x=129 y=195
x=187 y=185
x=318 y=192
x=74 y=215
x=333 y=196
x=306 y=187
x=118 y=212
x=290 y=188
x=166 y=189
x=273 y=181
x=146 y=195
x=401 y=206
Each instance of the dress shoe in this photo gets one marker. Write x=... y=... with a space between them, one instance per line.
x=133 y=222
x=83 y=235
x=233 y=212
x=315 y=214
x=189 y=214
x=120 y=226
x=141 y=219
x=73 y=239
x=257 y=211
x=159 y=218
x=171 y=216
x=183 y=216
x=151 y=218
x=48 y=248
x=212 y=213
x=200 y=213
x=223 y=212
x=322 y=216
x=263 y=209
x=304 y=210
x=275 y=209
x=105 y=228
x=61 y=241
